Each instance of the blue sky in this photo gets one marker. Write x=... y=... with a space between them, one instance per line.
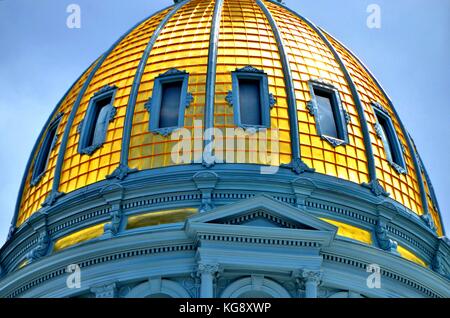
x=40 y=58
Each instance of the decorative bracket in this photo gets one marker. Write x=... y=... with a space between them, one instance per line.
x=437 y=265
x=189 y=99
x=12 y=230
x=121 y=172
x=52 y=198
x=229 y=98
x=376 y=188
x=348 y=118
x=298 y=166
x=41 y=248
x=386 y=213
x=272 y=100
x=378 y=130
x=113 y=196
x=312 y=108
x=440 y=264
x=384 y=242
x=80 y=126
x=429 y=221
x=206 y=182
x=303 y=189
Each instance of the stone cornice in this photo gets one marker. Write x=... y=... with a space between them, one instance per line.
x=324 y=196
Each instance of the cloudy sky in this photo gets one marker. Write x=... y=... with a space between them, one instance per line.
x=40 y=58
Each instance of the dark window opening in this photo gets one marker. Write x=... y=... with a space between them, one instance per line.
x=98 y=122
x=250 y=102
x=44 y=153
x=387 y=135
x=170 y=104
x=327 y=113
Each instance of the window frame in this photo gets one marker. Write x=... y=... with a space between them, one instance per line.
x=342 y=118
x=396 y=145
x=154 y=104
x=36 y=178
x=267 y=99
x=84 y=128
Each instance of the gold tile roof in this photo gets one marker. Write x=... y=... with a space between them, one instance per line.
x=246 y=36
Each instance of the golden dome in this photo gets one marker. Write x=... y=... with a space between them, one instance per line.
x=262 y=34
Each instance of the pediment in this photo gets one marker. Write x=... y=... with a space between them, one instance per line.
x=262 y=211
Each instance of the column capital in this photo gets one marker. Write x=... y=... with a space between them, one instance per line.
x=104 y=291
x=208 y=273
x=311 y=276
x=208 y=268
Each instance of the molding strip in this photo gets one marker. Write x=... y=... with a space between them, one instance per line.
x=374 y=184
x=54 y=195
x=402 y=127
x=211 y=75
x=297 y=165
x=35 y=148
x=430 y=185
x=123 y=170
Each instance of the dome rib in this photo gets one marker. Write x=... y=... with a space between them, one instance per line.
x=419 y=179
x=374 y=184
x=62 y=150
x=352 y=77
x=355 y=94
x=397 y=117
x=84 y=202
x=123 y=166
x=296 y=163
x=35 y=148
x=428 y=185
x=211 y=74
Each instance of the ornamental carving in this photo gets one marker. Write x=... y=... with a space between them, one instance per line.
x=311 y=276
x=211 y=269
x=384 y=242
x=40 y=250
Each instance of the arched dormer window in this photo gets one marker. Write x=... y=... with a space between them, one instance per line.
x=169 y=100
x=48 y=144
x=385 y=130
x=95 y=124
x=326 y=107
x=250 y=98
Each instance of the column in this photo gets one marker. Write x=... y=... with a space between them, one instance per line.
x=207 y=273
x=312 y=280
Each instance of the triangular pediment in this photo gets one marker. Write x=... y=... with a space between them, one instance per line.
x=263 y=211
